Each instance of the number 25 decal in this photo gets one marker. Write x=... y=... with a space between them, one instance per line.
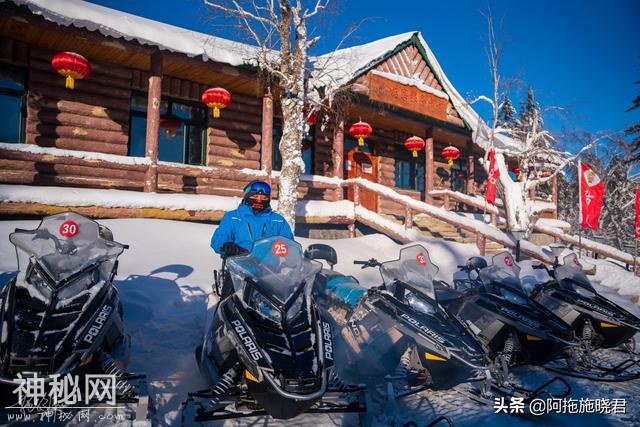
x=280 y=248
x=68 y=229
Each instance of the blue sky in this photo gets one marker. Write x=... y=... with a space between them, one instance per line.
x=583 y=55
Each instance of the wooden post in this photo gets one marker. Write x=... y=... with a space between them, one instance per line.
x=471 y=178
x=337 y=152
x=532 y=193
x=481 y=242
x=428 y=166
x=494 y=219
x=554 y=195
x=408 y=218
x=352 y=230
x=266 y=146
x=356 y=195
x=446 y=205
x=153 y=122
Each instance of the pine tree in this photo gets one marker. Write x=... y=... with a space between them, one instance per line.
x=507 y=113
x=634 y=130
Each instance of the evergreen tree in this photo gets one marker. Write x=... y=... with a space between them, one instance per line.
x=507 y=114
x=634 y=131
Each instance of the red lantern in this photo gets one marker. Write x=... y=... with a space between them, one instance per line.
x=312 y=118
x=462 y=176
x=450 y=153
x=414 y=144
x=544 y=174
x=360 y=131
x=72 y=66
x=216 y=98
x=170 y=124
x=516 y=170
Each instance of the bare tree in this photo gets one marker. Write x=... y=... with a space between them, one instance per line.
x=524 y=139
x=280 y=29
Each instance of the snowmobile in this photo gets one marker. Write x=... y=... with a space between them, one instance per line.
x=513 y=328
x=266 y=349
x=61 y=313
x=397 y=335
x=598 y=322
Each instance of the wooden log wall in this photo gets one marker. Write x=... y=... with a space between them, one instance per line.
x=92 y=117
x=14 y=52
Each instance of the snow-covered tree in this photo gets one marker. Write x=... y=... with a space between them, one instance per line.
x=634 y=131
x=281 y=30
x=525 y=140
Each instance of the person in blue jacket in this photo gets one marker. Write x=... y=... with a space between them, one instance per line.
x=253 y=220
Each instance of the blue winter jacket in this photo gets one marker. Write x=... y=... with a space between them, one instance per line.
x=243 y=227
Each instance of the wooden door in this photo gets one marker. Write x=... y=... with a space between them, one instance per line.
x=359 y=164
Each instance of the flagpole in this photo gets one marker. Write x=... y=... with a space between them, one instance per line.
x=579 y=209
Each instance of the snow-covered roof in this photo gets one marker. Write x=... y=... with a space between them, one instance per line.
x=118 y=24
x=339 y=67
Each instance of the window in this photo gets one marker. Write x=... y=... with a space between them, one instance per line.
x=185 y=144
x=409 y=170
x=12 y=104
x=308 y=141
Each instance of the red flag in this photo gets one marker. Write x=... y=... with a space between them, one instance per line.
x=638 y=213
x=591 y=196
x=494 y=174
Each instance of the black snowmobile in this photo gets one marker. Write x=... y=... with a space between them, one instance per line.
x=513 y=328
x=61 y=314
x=397 y=334
x=596 y=321
x=266 y=349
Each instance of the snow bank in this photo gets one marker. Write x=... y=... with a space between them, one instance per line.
x=554 y=223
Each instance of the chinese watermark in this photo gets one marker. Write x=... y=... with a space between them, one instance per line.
x=517 y=405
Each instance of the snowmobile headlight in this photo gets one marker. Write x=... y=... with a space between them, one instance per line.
x=264 y=307
x=295 y=307
x=38 y=281
x=512 y=296
x=82 y=283
x=418 y=303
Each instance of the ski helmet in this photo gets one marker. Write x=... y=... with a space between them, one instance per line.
x=257 y=194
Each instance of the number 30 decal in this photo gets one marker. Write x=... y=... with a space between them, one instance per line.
x=68 y=229
x=280 y=248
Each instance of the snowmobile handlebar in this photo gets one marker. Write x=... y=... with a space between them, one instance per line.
x=369 y=263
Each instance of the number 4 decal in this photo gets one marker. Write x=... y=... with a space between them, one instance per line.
x=68 y=229
x=280 y=248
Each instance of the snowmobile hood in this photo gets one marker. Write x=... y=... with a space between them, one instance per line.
x=278 y=266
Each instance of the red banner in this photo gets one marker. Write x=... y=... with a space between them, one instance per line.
x=494 y=174
x=638 y=213
x=591 y=196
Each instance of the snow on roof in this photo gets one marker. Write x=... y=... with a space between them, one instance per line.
x=115 y=23
x=338 y=67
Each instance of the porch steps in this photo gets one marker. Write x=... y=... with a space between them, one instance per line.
x=436 y=229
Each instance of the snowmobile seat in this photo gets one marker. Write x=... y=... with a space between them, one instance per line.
x=322 y=252
x=445 y=293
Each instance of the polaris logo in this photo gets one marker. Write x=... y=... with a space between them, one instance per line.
x=249 y=345
x=97 y=325
x=596 y=307
x=422 y=328
x=520 y=317
x=327 y=341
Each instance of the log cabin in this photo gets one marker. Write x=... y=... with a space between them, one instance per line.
x=137 y=123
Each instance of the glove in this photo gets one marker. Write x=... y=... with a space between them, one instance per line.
x=231 y=249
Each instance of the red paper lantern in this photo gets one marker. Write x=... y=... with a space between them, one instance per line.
x=216 y=98
x=450 y=153
x=72 y=66
x=414 y=144
x=360 y=130
x=462 y=176
x=312 y=118
x=170 y=124
x=544 y=174
x=516 y=170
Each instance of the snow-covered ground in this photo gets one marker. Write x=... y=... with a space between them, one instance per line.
x=166 y=274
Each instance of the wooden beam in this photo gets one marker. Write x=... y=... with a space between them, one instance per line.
x=471 y=178
x=267 y=134
x=554 y=195
x=153 y=122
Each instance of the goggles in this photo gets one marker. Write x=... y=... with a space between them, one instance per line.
x=258 y=187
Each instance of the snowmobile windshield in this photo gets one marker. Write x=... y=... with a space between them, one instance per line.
x=64 y=244
x=414 y=267
x=277 y=265
x=570 y=274
x=504 y=273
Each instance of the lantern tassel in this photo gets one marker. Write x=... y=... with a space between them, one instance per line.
x=450 y=162
x=361 y=141
x=69 y=84
x=415 y=153
x=216 y=112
